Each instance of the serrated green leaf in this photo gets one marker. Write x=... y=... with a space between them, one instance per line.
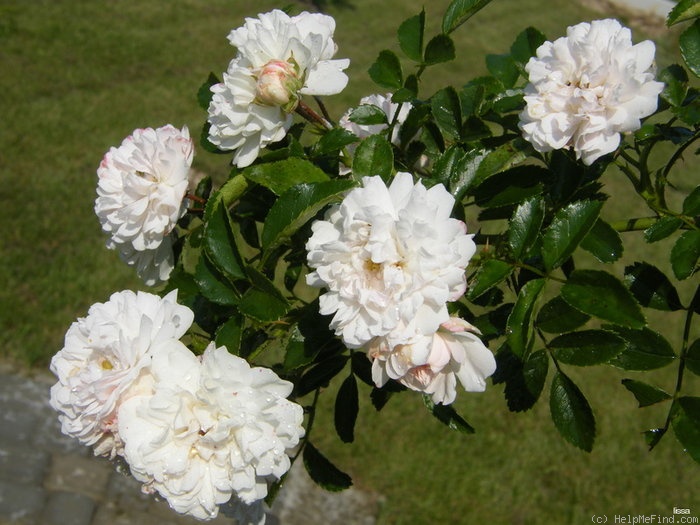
x=220 y=243
x=320 y=374
x=503 y=68
x=685 y=254
x=230 y=192
x=686 y=425
x=675 y=81
x=587 y=347
x=645 y=394
x=557 y=317
x=374 y=156
x=490 y=273
x=386 y=70
x=653 y=436
x=644 y=349
x=346 y=408
x=526 y=44
x=446 y=109
x=519 y=327
x=463 y=178
x=440 y=49
x=692 y=357
x=691 y=204
x=568 y=228
x=230 y=334
x=682 y=11
x=298 y=353
x=459 y=11
x=603 y=242
x=449 y=164
x=571 y=413
x=651 y=287
x=296 y=206
x=498 y=160
x=262 y=306
x=323 y=472
x=524 y=380
x=524 y=226
x=204 y=94
x=368 y=115
x=447 y=415
x=334 y=140
x=213 y=285
x=662 y=228
x=410 y=35
x=690 y=47
x=279 y=176
x=511 y=187
x=602 y=295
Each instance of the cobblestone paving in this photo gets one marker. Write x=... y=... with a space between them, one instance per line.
x=49 y=479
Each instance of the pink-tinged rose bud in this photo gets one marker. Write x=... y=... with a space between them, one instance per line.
x=278 y=84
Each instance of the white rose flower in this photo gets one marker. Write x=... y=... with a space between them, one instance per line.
x=389 y=257
x=433 y=363
x=587 y=88
x=140 y=196
x=279 y=59
x=214 y=430
x=362 y=131
x=105 y=360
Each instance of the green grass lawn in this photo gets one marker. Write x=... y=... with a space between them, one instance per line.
x=80 y=76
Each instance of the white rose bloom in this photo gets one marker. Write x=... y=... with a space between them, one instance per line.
x=105 y=360
x=433 y=363
x=214 y=430
x=362 y=131
x=389 y=257
x=279 y=59
x=587 y=88
x=140 y=195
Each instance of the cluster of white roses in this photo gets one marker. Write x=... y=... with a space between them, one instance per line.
x=200 y=431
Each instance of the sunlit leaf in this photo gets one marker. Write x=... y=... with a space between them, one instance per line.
x=410 y=35
x=571 y=413
x=645 y=394
x=685 y=254
x=568 y=228
x=459 y=11
x=520 y=320
x=645 y=349
x=587 y=347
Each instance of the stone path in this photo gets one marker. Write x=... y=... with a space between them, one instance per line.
x=49 y=479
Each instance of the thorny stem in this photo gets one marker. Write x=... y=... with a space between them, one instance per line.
x=309 y=425
x=309 y=114
x=678 y=153
x=324 y=111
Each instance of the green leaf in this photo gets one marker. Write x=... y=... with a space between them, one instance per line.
x=459 y=11
x=645 y=394
x=602 y=295
x=386 y=70
x=682 y=11
x=462 y=180
x=587 y=347
x=346 y=408
x=500 y=159
x=220 y=243
x=298 y=353
x=490 y=273
x=511 y=187
x=230 y=334
x=571 y=413
x=321 y=374
x=675 y=81
x=230 y=192
x=686 y=425
x=519 y=327
x=410 y=35
x=692 y=357
x=448 y=416
x=368 y=115
x=644 y=349
x=279 y=176
x=651 y=287
x=690 y=47
x=662 y=228
x=603 y=242
x=323 y=472
x=568 y=228
x=374 y=156
x=204 y=94
x=440 y=48
x=298 y=205
x=524 y=226
x=334 y=140
x=526 y=44
x=556 y=317
x=213 y=285
x=524 y=380
x=691 y=204
x=503 y=68
x=447 y=112
x=262 y=306
x=449 y=164
x=685 y=254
